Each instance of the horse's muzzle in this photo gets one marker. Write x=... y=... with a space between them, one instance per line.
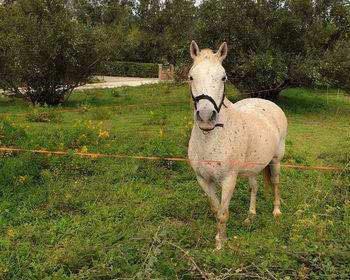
x=206 y=120
x=206 y=116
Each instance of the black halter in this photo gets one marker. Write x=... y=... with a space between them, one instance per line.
x=196 y=99
x=207 y=97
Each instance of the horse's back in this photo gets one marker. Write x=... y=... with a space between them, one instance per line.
x=264 y=110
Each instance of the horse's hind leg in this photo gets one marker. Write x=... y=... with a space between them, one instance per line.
x=253 y=185
x=275 y=180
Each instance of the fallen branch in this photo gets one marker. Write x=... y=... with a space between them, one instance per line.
x=190 y=259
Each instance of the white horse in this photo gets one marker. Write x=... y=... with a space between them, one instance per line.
x=252 y=130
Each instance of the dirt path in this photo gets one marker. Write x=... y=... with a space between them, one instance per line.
x=113 y=82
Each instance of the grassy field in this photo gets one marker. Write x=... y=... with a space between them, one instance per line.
x=78 y=217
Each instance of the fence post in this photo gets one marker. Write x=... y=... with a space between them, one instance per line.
x=167 y=73
x=160 y=71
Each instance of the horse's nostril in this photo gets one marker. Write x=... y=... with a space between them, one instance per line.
x=198 y=116
x=213 y=116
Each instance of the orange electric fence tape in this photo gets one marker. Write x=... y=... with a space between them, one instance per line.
x=130 y=105
x=170 y=159
x=155 y=158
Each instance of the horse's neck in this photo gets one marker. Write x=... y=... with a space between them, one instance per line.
x=229 y=115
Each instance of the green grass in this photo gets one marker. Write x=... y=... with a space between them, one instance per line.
x=75 y=217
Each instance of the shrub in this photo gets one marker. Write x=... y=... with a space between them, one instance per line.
x=44 y=52
x=130 y=69
x=10 y=133
x=39 y=114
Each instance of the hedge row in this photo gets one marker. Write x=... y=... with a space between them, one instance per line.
x=130 y=69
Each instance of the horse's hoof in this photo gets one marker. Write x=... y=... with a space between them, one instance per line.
x=219 y=242
x=247 y=222
x=250 y=218
x=218 y=245
x=218 y=248
x=276 y=213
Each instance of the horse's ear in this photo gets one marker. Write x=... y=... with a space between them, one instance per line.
x=222 y=52
x=194 y=50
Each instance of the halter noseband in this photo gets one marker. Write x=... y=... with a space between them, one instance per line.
x=217 y=108
x=196 y=99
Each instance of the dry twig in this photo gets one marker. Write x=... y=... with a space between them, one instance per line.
x=190 y=259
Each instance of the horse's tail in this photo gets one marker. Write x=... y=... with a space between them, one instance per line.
x=268 y=185
x=267 y=180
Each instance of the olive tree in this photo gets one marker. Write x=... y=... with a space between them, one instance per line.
x=44 y=52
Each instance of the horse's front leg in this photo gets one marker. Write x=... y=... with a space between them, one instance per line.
x=211 y=191
x=227 y=185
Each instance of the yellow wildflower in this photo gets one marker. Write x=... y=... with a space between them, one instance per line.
x=160 y=133
x=84 y=149
x=77 y=123
x=11 y=233
x=20 y=179
x=103 y=134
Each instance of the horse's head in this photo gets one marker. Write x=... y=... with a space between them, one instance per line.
x=208 y=79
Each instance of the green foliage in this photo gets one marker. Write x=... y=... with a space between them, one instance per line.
x=81 y=217
x=130 y=69
x=337 y=66
x=274 y=43
x=44 y=52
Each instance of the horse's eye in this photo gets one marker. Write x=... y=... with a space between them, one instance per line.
x=223 y=78
x=191 y=78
